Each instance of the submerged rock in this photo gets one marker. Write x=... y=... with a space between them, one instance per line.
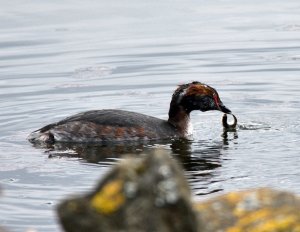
x=260 y=210
x=141 y=194
x=150 y=193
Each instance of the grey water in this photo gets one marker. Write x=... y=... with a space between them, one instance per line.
x=58 y=58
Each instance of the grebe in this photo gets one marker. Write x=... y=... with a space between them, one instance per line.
x=120 y=125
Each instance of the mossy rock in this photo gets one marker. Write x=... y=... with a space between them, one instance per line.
x=151 y=194
x=260 y=210
x=139 y=194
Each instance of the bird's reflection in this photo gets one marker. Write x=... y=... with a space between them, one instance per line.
x=227 y=132
x=200 y=159
x=94 y=153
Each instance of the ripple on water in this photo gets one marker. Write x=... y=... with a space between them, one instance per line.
x=93 y=72
x=254 y=126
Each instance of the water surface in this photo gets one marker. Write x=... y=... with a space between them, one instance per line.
x=60 y=58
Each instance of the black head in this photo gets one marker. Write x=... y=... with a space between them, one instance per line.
x=198 y=96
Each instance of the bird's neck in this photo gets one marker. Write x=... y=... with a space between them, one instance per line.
x=180 y=119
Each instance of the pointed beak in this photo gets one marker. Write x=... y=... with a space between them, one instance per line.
x=220 y=105
x=224 y=109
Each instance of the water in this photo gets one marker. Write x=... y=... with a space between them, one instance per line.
x=59 y=58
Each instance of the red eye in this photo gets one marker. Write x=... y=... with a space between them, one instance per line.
x=216 y=99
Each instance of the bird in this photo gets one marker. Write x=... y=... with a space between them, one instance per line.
x=113 y=125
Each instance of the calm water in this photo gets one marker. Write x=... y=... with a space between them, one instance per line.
x=58 y=58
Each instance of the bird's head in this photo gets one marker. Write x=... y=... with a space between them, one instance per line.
x=198 y=96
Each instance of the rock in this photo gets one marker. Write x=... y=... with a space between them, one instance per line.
x=260 y=210
x=150 y=193
x=139 y=194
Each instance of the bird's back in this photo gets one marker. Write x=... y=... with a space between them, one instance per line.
x=105 y=125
